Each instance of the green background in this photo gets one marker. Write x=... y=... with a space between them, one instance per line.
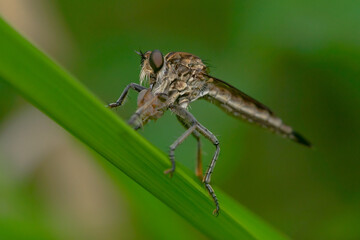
x=301 y=58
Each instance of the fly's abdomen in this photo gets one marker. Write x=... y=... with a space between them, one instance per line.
x=242 y=106
x=237 y=106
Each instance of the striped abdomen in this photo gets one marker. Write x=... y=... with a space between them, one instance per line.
x=240 y=105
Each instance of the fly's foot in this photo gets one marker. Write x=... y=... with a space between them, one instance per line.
x=170 y=171
x=213 y=195
x=113 y=105
x=216 y=211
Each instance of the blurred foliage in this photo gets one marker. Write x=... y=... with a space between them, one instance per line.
x=6 y=99
x=18 y=207
x=301 y=58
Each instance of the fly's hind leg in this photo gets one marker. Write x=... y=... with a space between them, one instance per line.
x=123 y=95
x=190 y=120
x=196 y=134
x=207 y=178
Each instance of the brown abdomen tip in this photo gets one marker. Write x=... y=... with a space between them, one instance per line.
x=300 y=139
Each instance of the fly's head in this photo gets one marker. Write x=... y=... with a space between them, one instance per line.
x=152 y=66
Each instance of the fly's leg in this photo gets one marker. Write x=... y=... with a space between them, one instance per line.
x=196 y=134
x=173 y=147
x=189 y=119
x=123 y=95
x=207 y=178
x=199 y=169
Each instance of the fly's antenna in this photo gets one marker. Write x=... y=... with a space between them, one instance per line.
x=141 y=54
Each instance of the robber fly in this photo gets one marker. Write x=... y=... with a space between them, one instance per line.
x=180 y=78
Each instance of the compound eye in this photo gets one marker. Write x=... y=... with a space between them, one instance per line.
x=156 y=60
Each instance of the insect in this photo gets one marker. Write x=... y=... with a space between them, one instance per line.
x=179 y=78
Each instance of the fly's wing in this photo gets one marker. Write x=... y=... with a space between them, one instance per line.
x=226 y=87
x=241 y=105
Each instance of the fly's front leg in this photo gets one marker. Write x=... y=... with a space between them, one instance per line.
x=189 y=119
x=123 y=95
x=196 y=134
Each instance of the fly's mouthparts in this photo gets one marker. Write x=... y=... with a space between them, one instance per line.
x=135 y=121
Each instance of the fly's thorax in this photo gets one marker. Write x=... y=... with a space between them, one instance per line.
x=186 y=72
x=155 y=67
x=187 y=60
x=186 y=82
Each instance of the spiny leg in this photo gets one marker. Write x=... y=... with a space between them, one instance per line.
x=188 y=118
x=123 y=95
x=198 y=171
x=207 y=178
x=173 y=147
